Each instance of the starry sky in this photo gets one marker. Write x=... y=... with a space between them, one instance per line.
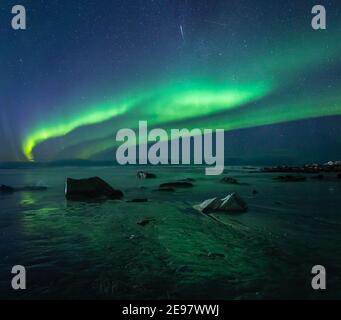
x=84 y=69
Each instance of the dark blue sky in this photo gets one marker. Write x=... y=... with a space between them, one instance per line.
x=84 y=68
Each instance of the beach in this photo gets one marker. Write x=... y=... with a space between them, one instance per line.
x=98 y=249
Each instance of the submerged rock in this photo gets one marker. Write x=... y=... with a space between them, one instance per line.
x=290 y=178
x=231 y=203
x=166 y=189
x=177 y=184
x=138 y=200
x=144 y=222
x=145 y=175
x=6 y=189
x=91 y=188
x=229 y=180
x=212 y=255
x=339 y=176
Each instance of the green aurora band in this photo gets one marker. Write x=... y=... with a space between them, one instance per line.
x=191 y=106
x=239 y=119
x=163 y=105
x=211 y=104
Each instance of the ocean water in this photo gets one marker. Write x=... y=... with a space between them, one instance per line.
x=96 y=250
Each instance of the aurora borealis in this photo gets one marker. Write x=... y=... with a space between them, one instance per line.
x=68 y=87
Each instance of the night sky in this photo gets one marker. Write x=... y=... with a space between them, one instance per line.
x=84 y=69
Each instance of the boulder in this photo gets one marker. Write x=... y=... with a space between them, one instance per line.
x=209 y=205
x=6 y=189
x=91 y=188
x=231 y=203
x=145 y=175
x=177 y=184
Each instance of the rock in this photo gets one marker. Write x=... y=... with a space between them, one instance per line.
x=215 y=255
x=6 y=189
x=91 y=188
x=144 y=222
x=290 y=178
x=177 y=184
x=165 y=189
x=255 y=192
x=138 y=200
x=210 y=205
x=212 y=255
x=229 y=180
x=188 y=180
x=145 y=175
x=231 y=203
x=318 y=177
